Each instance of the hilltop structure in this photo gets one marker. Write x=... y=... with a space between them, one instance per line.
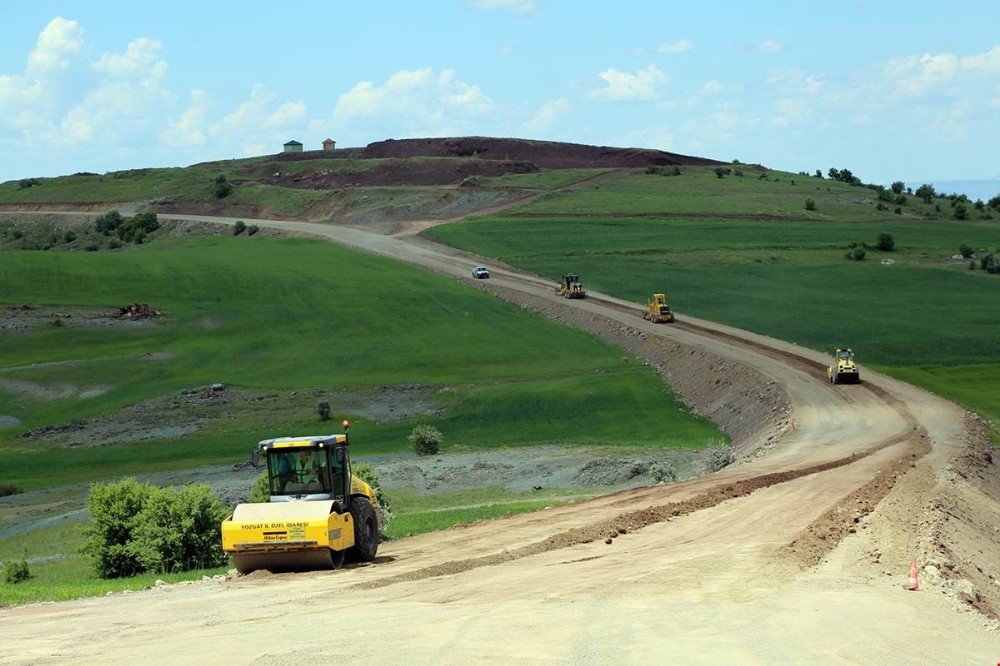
x=293 y=146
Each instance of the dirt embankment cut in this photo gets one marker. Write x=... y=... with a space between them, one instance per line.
x=544 y=154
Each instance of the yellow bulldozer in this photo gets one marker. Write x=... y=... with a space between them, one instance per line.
x=657 y=309
x=318 y=513
x=843 y=370
x=571 y=287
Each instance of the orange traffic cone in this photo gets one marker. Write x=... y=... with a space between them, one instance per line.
x=914 y=584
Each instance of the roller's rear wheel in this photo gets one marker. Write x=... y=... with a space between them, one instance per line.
x=365 y=530
x=305 y=560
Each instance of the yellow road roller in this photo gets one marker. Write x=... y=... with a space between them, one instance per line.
x=318 y=513
x=843 y=370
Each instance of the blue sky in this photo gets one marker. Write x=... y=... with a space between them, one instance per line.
x=891 y=90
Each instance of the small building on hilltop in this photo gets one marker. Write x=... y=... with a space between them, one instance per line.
x=293 y=146
x=329 y=145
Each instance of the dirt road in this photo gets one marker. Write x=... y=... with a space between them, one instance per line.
x=796 y=555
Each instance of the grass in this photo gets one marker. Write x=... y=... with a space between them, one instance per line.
x=926 y=319
x=543 y=180
x=268 y=314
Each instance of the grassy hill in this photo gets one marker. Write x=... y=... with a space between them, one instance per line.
x=745 y=251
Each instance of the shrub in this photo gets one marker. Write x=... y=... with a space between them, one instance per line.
x=810 y=204
x=881 y=206
x=979 y=205
x=7 y=489
x=115 y=244
x=898 y=187
x=857 y=254
x=899 y=200
x=994 y=202
x=960 y=212
x=17 y=571
x=718 y=456
x=239 y=227
x=926 y=192
x=108 y=222
x=109 y=538
x=17 y=234
x=965 y=250
x=426 y=440
x=25 y=183
x=898 y=210
x=260 y=492
x=720 y=172
x=323 y=409
x=937 y=208
x=972 y=264
x=92 y=247
x=137 y=527
x=252 y=229
x=885 y=242
x=69 y=236
x=367 y=473
x=223 y=188
x=137 y=228
x=985 y=260
x=663 y=472
x=664 y=171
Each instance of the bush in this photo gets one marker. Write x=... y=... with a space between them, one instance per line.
x=239 y=227
x=17 y=571
x=810 y=204
x=898 y=210
x=108 y=222
x=260 y=492
x=663 y=171
x=718 y=456
x=994 y=202
x=881 y=206
x=898 y=187
x=856 y=253
x=426 y=440
x=965 y=250
x=960 y=212
x=7 y=489
x=137 y=228
x=926 y=192
x=252 y=229
x=136 y=527
x=900 y=200
x=663 y=472
x=972 y=264
x=223 y=188
x=25 y=183
x=720 y=172
x=323 y=409
x=367 y=473
x=69 y=236
x=885 y=242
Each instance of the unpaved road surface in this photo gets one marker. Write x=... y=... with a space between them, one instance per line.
x=797 y=554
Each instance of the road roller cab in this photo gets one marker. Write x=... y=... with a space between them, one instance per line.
x=318 y=511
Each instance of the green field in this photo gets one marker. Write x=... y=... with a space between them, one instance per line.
x=268 y=314
x=927 y=318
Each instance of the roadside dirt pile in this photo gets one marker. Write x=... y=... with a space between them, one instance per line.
x=137 y=311
x=544 y=154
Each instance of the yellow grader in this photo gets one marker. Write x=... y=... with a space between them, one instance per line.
x=318 y=511
x=843 y=370
x=658 y=310
x=571 y=287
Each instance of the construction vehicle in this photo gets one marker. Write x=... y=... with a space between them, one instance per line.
x=571 y=287
x=657 y=309
x=843 y=370
x=318 y=511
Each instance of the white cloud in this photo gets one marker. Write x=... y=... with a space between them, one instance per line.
x=712 y=88
x=644 y=84
x=547 y=114
x=259 y=125
x=791 y=111
x=769 y=46
x=517 y=7
x=127 y=100
x=918 y=75
x=414 y=100
x=189 y=130
x=28 y=101
x=672 y=48
x=59 y=41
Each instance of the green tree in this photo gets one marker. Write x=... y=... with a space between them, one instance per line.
x=223 y=188
x=810 y=204
x=238 y=227
x=926 y=192
x=897 y=187
x=960 y=212
x=885 y=242
x=965 y=250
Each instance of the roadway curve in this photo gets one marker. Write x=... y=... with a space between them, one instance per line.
x=797 y=555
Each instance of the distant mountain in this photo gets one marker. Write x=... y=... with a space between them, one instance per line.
x=982 y=188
